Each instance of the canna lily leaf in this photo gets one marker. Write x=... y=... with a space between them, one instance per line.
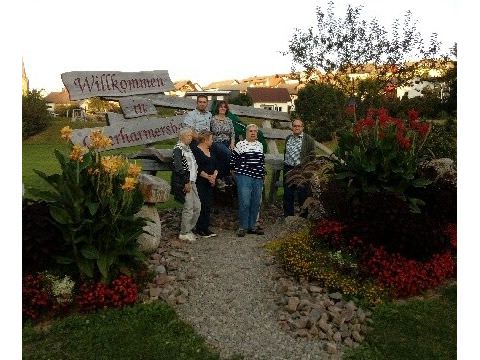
x=90 y=252
x=63 y=260
x=60 y=215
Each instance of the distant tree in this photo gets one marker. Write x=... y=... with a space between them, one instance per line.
x=322 y=109
x=241 y=99
x=342 y=46
x=35 y=116
x=97 y=105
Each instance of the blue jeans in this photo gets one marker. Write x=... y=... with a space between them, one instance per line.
x=289 y=192
x=222 y=152
x=249 y=192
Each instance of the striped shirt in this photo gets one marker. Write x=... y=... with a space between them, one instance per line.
x=248 y=159
x=188 y=160
x=197 y=120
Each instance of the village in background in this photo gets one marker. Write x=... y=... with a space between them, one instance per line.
x=272 y=92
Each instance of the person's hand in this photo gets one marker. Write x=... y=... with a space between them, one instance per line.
x=187 y=188
x=211 y=180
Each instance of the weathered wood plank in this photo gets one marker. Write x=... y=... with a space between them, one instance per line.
x=136 y=106
x=190 y=104
x=134 y=132
x=85 y=84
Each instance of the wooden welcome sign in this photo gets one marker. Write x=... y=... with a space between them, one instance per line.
x=86 y=84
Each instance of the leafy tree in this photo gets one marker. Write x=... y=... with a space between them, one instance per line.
x=342 y=46
x=35 y=116
x=97 y=105
x=322 y=109
x=241 y=99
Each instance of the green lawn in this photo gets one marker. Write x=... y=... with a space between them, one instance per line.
x=145 y=331
x=416 y=330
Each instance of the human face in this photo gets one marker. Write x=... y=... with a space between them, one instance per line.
x=297 y=127
x=252 y=134
x=222 y=109
x=201 y=104
x=209 y=141
x=187 y=138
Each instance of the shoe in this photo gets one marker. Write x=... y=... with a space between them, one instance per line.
x=187 y=237
x=206 y=234
x=256 y=231
x=241 y=232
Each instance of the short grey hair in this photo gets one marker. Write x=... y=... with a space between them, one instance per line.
x=184 y=131
x=249 y=126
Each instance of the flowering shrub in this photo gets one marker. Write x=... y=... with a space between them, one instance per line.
x=406 y=277
x=381 y=153
x=93 y=296
x=93 y=203
x=301 y=255
x=60 y=288
x=35 y=299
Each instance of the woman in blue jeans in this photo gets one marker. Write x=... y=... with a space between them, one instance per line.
x=248 y=162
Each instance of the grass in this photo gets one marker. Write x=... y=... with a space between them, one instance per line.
x=144 y=331
x=420 y=329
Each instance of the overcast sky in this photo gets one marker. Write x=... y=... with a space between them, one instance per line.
x=203 y=41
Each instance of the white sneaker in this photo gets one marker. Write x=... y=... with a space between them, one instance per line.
x=187 y=237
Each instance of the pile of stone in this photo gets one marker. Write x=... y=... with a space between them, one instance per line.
x=306 y=310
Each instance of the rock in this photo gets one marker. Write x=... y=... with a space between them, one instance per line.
x=302 y=333
x=361 y=315
x=315 y=289
x=292 y=304
x=181 y=276
x=155 y=291
x=337 y=336
x=154 y=189
x=171 y=300
x=161 y=279
x=347 y=341
x=301 y=323
x=150 y=239
x=314 y=330
x=324 y=326
x=304 y=304
x=357 y=337
x=181 y=299
x=350 y=306
x=161 y=269
x=315 y=315
x=335 y=295
x=331 y=348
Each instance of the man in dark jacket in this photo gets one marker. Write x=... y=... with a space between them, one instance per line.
x=298 y=148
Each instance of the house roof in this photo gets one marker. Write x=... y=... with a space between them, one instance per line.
x=59 y=97
x=223 y=83
x=292 y=88
x=238 y=87
x=181 y=84
x=268 y=94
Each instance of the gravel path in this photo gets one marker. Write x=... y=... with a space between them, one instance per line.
x=231 y=301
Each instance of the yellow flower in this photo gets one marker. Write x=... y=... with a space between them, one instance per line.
x=66 y=132
x=129 y=184
x=99 y=141
x=78 y=152
x=111 y=164
x=134 y=170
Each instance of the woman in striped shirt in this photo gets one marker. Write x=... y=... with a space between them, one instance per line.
x=248 y=162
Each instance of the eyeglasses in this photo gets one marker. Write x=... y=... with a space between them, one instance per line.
x=222 y=107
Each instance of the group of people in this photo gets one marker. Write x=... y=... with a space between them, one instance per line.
x=206 y=156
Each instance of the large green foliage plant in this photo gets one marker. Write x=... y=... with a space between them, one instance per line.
x=93 y=202
x=382 y=154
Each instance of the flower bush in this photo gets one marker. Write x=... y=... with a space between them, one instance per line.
x=93 y=202
x=382 y=153
x=36 y=300
x=122 y=291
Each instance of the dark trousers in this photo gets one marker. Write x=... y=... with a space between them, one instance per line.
x=289 y=192
x=205 y=193
x=222 y=153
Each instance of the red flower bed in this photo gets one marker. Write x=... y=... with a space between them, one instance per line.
x=122 y=291
x=35 y=300
x=403 y=276
x=406 y=277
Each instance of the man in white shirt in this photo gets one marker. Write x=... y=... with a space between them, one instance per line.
x=198 y=119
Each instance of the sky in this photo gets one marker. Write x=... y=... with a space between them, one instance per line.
x=201 y=41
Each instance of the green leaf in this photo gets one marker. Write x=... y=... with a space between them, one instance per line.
x=92 y=207
x=60 y=215
x=104 y=262
x=421 y=182
x=90 y=252
x=85 y=266
x=63 y=260
x=60 y=157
